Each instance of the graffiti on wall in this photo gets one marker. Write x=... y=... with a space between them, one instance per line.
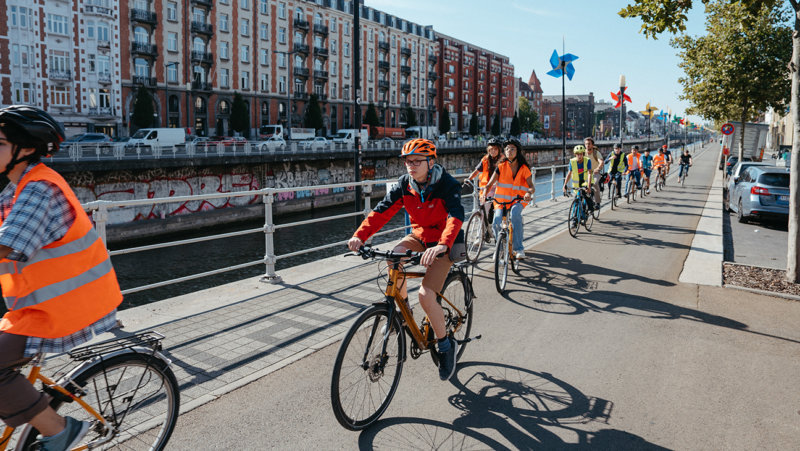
x=294 y=175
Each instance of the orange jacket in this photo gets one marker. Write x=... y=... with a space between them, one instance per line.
x=485 y=174
x=510 y=186
x=65 y=286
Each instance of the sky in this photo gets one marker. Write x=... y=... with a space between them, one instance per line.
x=527 y=31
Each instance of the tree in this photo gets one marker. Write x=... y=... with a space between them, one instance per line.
x=496 y=125
x=515 y=129
x=313 y=116
x=444 y=122
x=665 y=15
x=240 y=117
x=371 y=119
x=143 y=108
x=473 y=124
x=528 y=117
x=411 y=118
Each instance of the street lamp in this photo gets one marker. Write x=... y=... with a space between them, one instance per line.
x=288 y=54
x=621 y=108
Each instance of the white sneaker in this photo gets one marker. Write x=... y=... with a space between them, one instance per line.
x=519 y=255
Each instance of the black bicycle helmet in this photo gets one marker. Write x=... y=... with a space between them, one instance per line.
x=30 y=127
x=515 y=142
x=494 y=142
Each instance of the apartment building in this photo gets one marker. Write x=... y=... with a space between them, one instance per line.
x=532 y=91
x=580 y=116
x=474 y=80
x=63 y=55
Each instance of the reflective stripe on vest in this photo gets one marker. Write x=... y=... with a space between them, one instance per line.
x=576 y=172
x=507 y=187
x=65 y=286
x=631 y=159
x=620 y=164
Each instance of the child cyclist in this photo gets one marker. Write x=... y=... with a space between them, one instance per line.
x=514 y=178
x=582 y=174
x=432 y=198
x=486 y=167
x=59 y=286
x=647 y=167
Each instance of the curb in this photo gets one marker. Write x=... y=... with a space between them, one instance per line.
x=775 y=294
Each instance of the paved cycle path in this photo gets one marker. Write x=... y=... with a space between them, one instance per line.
x=596 y=345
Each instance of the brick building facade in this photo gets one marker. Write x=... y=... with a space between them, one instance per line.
x=580 y=116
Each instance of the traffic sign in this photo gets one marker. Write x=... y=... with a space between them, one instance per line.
x=727 y=128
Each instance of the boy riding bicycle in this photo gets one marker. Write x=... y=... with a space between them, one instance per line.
x=581 y=174
x=59 y=286
x=432 y=198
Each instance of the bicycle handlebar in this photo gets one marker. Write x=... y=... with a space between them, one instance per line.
x=367 y=252
x=508 y=202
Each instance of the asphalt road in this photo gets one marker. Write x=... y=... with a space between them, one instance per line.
x=596 y=345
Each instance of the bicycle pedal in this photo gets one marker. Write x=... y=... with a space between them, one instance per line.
x=468 y=339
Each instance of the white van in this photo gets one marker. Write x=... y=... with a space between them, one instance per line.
x=156 y=137
x=348 y=136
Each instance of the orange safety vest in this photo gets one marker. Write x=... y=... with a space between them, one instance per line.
x=485 y=176
x=508 y=186
x=659 y=160
x=637 y=157
x=64 y=287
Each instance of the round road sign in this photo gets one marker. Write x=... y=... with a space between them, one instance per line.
x=727 y=128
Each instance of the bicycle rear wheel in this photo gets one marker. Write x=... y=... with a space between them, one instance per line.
x=588 y=219
x=136 y=393
x=458 y=316
x=365 y=378
x=474 y=236
x=613 y=194
x=501 y=262
x=573 y=219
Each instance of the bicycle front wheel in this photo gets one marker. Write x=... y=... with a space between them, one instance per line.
x=138 y=396
x=474 y=236
x=365 y=377
x=457 y=312
x=501 y=262
x=573 y=219
x=588 y=219
x=613 y=194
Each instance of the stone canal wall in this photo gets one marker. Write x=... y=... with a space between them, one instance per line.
x=119 y=180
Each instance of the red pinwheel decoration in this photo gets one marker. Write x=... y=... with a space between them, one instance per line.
x=620 y=98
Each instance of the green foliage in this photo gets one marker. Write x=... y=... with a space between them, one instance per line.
x=444 y=122
x=496 y=125
x=515 y=129
x=473 y=124
x=528 y=117
x=313 y=116
x=240 y=117
x=411 y=118
x=143 y=108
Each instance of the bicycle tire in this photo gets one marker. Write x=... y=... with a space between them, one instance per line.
x=613 y=195
x=456 y=290
x=361 y=339
x=573 y=219
x=587 y=223
x=501 y=262
x=474 y=236
x=132 y=418
x=596 y=211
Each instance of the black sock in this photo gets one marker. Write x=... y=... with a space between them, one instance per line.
x=443 y=345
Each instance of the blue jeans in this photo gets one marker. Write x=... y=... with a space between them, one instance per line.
x=684 y=167
x=515 y=217
x=637 y=174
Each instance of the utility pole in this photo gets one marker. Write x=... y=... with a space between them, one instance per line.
x=357 y=100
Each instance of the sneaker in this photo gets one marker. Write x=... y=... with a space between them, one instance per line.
x=519 y=255
x=66 y=439
x=447 y=361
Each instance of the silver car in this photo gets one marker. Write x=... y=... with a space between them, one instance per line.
x=730 y=183
x=760 y=192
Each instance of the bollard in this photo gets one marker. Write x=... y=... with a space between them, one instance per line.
x=269 y=237
x=100 y=218
x=553 y=183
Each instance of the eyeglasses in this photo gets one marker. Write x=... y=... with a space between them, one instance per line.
x=414 y=163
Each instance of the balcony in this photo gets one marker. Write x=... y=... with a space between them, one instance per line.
x=202 y=57
x=405 y=105
x=209 y=3
x=101 y=111
x=383 y=45
x=301 y=48
x=300 y=95
x=63 y=75
x=301 y=24
x=202 y=28
x=320 y=74
x=432 y=58
x=383 y=65
x=383 y=84
x=321 y=51
x=149 y=82
x=104 y=77
x=405 y=69
x=98 y=11
x=144 y=16
x=201 y=85
x=321 y=29
x=322 y=97
x=405 y=51
x=432 y=75
x=405 y=87
x=301 y=71
x=103 y=44
x=143 y=48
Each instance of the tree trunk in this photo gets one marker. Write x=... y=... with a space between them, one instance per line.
x=793 y=258
x=741 y=134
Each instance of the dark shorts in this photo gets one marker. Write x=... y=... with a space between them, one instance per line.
x=19 y=400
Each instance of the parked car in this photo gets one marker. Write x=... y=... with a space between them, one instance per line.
x=272 y=144
x=89 y=141
x=760 y=192
x=315 y=143
x=732 y=160
x=733 y=178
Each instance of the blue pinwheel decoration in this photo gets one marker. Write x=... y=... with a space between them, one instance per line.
x=562 y=64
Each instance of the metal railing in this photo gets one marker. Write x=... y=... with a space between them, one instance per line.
x=100 y=214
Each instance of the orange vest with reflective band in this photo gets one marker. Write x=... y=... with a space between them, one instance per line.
x=65 y=286
x=634 y=157
x=508 y=186
x=485 y=176
x=659 y=160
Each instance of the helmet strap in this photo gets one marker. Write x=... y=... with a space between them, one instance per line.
x=15 y=160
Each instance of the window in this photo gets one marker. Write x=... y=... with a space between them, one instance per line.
x=333 y=67
x=244 y=53
x=225 y=78
x=370 y=74
x=452 y=69
x=199 y=45
x=346 y=49
x=281 y=60
x=347 y=28
x=370 y=55
x=333 y=90
x=223 y=22
x=282 y=35
x=141 y=67
x=347 y=70
x=298 y=14
x=24 y=55
x=282 y=83
x=244 y=27
x=103 y=32
x=172 y=11
x=334 y=48
x=15 y=54
x=263 y=31
x=92 y=62
x=59 y=95
x=394 y=61
x=369 y=95
x=223 y=50
x=58 y=60
x=55 y=24
x=244 y=4
x=263 y=57
x=24 y=92
x=263 y=6
x=264 y=82
x=90 y=29
x=282 y=10
x=333 y=25
x=104 y=64
x=172 y=42
x=245 y=80
x=369 y=36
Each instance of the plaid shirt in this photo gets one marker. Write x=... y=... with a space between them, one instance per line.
x=40 y=216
